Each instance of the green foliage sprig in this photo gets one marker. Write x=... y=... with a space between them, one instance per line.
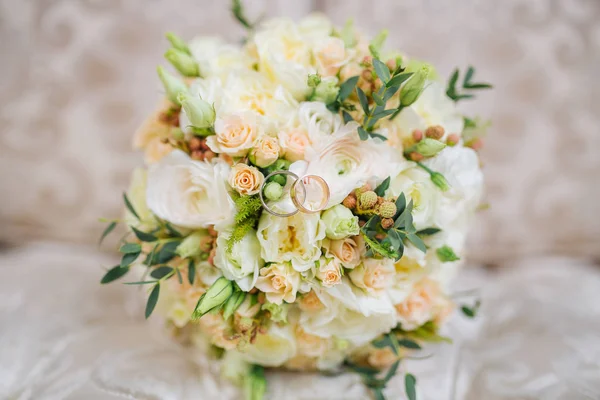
x=467 y=85
x=249 y=209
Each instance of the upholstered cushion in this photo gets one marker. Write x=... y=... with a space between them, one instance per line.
x=79 y=76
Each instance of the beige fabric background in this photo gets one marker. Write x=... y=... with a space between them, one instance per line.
x=77 y=77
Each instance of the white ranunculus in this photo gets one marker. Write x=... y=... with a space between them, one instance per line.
x=345 y=162
x=285 y=55
x=188 y=193
x=433 y=107
x=273 y=348
x=350 y=314
x=418 y=187
x=296 y=239
x=243 y=262
x=215 y=57
x=317 y=120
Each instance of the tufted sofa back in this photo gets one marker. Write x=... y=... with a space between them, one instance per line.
x=77 y=78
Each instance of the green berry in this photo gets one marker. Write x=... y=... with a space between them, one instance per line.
x=280 y=179
x=387 y=209
x=273 y=191
x=368 y=199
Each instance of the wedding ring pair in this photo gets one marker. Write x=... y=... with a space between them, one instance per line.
x=309 y=194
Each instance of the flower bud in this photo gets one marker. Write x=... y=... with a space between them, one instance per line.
x=183 y=62
x=340 y=222
x=273 y=191
x=233 y=303
x=387 y=223
x=215 y=296
x=350 y=201
x=191 y=246
x=173 y=85
x=429 y=147
x=435 y=132
x=327 y=91
x=199 y=112
x=265 y=152
x=412 y=89
x=417 y=135
x=452 y=139
x=313 y=80
x=440 y=181
x=368 y=200
x=177 y=42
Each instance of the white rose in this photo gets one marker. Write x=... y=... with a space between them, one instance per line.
x=296 y=239
x=245 y=179
x=273 y=348
x=280 y=282
x=234 y=134
x=433 y=107
x=318 y=121
x=345 y=162
x=285 y=56
x=216 y=57
x=243 y=262
x=349 y=313
x=188 y=193
x=418 y=187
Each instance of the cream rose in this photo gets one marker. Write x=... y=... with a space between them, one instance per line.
x=293 y=142
x=329 y=272
x=296 y=239
x=280 y=282
x=310 y=302
x=234 y=134
x=347 y=250
x=242 y=262
x=265 y=152
x=188 y=193
x=245 y=179
x=372 y=275
x=216 y=57
x=330 y=55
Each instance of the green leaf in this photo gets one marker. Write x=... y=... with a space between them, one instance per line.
x=113 y=274
x=378 y=99
x=383 y=187
x=364 y=135
x=382 y=70
x=471 y=312
x=400 y=205
x=385 y=341
x=362 y=97
x=191 y=271
x=392 y=371
x=446 y=254
x=478 y=86
x=107 y=231
x=161 y=272
x=382 y=114
x=130 y=248
x=172 y=231
x=239 y=13
x=378 y=248
x=139 y=283
x=428 y=231
x=167 y=252
x=129 y=258
x=143 y=236
x=130 y=206
x=395 y=238
x=417 y=241
x=378 y=136
x=409 y=384
x=399 y=79
x=468 y=76
x=378 y=392
x=152 y=300
x=409 y=344
x=347 y=117
x=347 y=88
x=452 y=84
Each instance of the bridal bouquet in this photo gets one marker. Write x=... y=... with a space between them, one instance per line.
x=305 y=200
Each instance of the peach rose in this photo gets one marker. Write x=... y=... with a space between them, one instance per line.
x=346 y=250
x=280 y=283
x=234 y=135
x=310 y=302
x=245 y=179
x=293 y=143
x=329 y=272
x=381 y=358
x=219 y=331
x=425 y=303
x=310 y=345
x=330 y=55
x=265 y=152
x=372 y=275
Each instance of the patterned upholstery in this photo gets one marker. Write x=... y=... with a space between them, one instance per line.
x=78 y=76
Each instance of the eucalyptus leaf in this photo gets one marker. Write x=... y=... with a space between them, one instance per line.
x=107 y=231
x=161 y=272
x=152 y=300
x=409 y=344
x=383 y=187
x=113 y=274
x=428 y=231
x=347 y=117
x=143 y=236
x=417 y=241
x=378 y=99
x=130 y=248
x=347 y=88
x=382 y=70
x=191 y=271
x=400 y=205
x=364 y=135
x=410 y=383
x=392 y=371
x=129 y=258
x=398 y=80
x=362 y=98
x=167 y=252
x=130 y=206
x=378 y=136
